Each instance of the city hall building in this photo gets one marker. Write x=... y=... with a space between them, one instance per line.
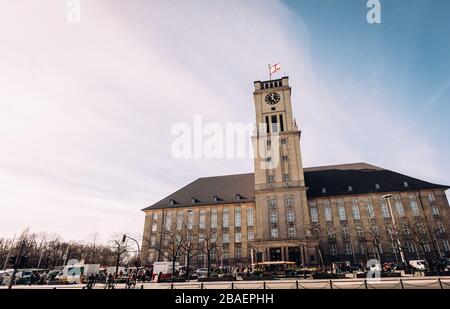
x=285 y=212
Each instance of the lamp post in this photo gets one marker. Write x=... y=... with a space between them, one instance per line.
x=394 y=227
x=139 y=250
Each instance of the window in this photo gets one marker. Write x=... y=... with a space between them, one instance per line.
x=237 y=252
x=283 y=141
x=435 y=211
x=274 y=232
x=200 y=255
x=348 y=249
x=237 y=237
x=375 y=231
x=225 y=254
x=154 y=227
x=155 y=216
x=202 y=222
x=410 y=247
x=384 y=209
x=201 y=237
x=226 y=217
x=213 y=254
x=289 y=202
x=314 y=214
x=345 y=232
x=250 y=217
x=341 y=213
x=168 y=222
x=333 y=249
x=327 y=212
x=359 y=232
x=362 y=248
x=350 y=188
x=290 y=216
x=270 y=178
x=237 y=217
x=355 y=210
x=274 y=123
x=213 y=238
x=291 y=232
x=426 y=247
x=394 y=248
x=370 y=210
x=213 y=218
x=413 y=205
x=324 y=190
x=179 y=221
x=153 y=241
x=331 y=233
x=286 y=177
x=399 y=207
x=267 y=125
x=405 y=184
x=190 y=219
x=446 y=245
x=272 y=203
x=440 y=229
x=285 y=158
x=377 y=186
x=273 y=216
x=251 y=236
x=226 y=238
x=431 y=197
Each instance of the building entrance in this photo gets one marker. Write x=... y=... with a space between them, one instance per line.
x=275 y=254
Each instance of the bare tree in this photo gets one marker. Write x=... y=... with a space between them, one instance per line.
x=208 y=245
x=319 y=237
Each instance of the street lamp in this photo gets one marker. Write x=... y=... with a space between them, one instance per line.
x=394 y=227
x=139 y=250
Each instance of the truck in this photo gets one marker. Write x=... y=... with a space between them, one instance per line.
x=77 y=273
x=163 y=268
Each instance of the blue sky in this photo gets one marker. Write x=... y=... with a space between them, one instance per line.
x=87 y=109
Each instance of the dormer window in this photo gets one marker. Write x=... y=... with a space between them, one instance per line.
x=238 y=196
x=324 y=190
x=377 y=186
x=405 y=184
x=194 y=200
x=172 y=202
x=350 y=188
x=216 y=198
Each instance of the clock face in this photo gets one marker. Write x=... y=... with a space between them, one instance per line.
x=272 y=98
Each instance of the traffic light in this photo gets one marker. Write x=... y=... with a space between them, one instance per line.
x=12 y=260
x=124 y=238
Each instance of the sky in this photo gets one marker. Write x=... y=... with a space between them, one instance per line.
x=86 y=109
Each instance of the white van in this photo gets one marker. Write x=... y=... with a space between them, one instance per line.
x=75 y=273
x=418 y=264
x=165 y=268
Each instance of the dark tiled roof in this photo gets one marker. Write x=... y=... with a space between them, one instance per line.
x=336 y=179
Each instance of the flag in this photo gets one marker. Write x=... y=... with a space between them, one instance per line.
x=274 y=68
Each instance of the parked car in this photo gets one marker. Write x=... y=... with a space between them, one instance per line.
x=418 y=264
x=202 y=272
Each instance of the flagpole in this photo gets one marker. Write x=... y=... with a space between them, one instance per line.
x=270 y=74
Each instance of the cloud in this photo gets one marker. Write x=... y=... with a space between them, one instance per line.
x=87 y=108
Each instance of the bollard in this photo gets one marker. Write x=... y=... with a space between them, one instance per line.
x=201 y=286
x=365 y=283
x=331 y=284
x=401 y=283
x=232 y=285
x=296 y=284
x=440 y=283
x=142 y=286
x=264 y=285
x=171 y=286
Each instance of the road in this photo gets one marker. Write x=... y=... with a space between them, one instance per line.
x=383 y=283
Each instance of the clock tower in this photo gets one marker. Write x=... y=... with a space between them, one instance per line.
x=280 y=193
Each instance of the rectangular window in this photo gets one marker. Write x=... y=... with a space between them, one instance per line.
x=273 y=216
x=348 y=249
x=238 y=253
x=446 y=245
x=213 y=218
x=281 y=123
x=286 y=177
x=291 y=232
x=331 y=233
x=435 y=211
x=359 y=232
x=270 y=178
x=440 y=229
x=237 y=217
x=355 y=211
x=345 y=232
x=267 y=125
x=274 y=124
x=314 y=214
x=289 y=202
x=327 y=212
x=426 y=247
x=153 y=241
x=226 y=217
x=399 y=207
x=154 y=227
x=213 y=255
x=168 y=222
x=290 y=216
x=202 y=222
x=333 y=249
x=384 y=209
x=250 y=217
x=341 y=212
x=190 y=219
x=179 y=220
x=431 y=197
x=410 y=247
x=225 y=254
x=413 y=205
x=251 y=236
x=375 y=231
x=155 y=216
x=226 y=238
x=200 y=255
x=370 y=210
x=274 y=232
x=237 y=237
x=285 y=158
